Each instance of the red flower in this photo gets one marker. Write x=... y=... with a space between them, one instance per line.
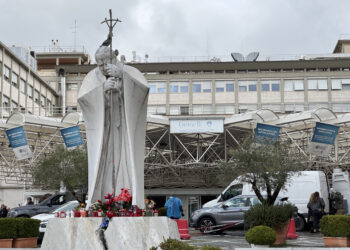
x=110 y=214
x=99 y=201
x=107 y=202
x=109 y=208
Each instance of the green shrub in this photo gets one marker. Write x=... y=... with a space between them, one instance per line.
x=7 y=228
x=272 y=216
x=210 y=248
x=261 y=235
x=172 y=244
x=162 y=211
x=335 y=225
x=26 y=227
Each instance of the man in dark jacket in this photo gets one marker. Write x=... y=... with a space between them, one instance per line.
x=3 y=211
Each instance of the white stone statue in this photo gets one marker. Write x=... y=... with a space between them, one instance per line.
x=113 y=98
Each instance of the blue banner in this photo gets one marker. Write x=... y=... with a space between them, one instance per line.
x=71 y=136
x=16 y=137
x=325 y=133
x=264 y=132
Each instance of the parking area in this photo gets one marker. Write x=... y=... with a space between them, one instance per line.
x=233 y=239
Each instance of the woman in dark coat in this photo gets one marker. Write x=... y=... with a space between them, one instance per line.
x=316 y=206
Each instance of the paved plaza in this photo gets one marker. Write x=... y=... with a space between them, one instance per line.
x=234 y=239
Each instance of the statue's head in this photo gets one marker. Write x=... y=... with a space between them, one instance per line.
x=103 y=57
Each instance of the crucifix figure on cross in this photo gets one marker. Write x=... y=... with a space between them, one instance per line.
x=113 y=98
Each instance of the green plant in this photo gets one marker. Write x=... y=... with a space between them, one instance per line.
x=8 y=228
x=210 y=248
x=335 y=225
x=172 y=244
x=265 y=164
x=261 y=235
x=26 y=227
x=162 y=211
x=272 y=216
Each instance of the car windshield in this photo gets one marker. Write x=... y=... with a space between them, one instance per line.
x=66 y=207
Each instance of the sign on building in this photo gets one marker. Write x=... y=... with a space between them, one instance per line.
x=323 y=139
x=193 y=126
x=18 y=142
x=72 y=136
x=264 y=132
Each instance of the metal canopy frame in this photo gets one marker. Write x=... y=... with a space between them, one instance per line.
x=183 y=160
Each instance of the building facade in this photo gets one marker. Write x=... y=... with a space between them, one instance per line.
x=21 y=88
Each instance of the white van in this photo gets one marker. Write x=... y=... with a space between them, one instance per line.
x=298 y=190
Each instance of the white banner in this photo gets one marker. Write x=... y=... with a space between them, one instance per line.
x=194 y=126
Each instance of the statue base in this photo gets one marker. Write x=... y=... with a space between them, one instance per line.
x=122 y=233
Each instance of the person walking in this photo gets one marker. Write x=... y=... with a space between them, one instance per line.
x=316 y=206
x=174 y=207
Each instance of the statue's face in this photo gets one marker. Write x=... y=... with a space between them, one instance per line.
x=102 y=57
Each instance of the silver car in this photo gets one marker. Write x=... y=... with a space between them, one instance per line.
x=228 y=213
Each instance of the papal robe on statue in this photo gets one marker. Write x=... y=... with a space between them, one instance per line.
x=115 y=133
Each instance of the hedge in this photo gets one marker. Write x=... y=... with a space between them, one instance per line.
x=335 y=225
x=11 y=228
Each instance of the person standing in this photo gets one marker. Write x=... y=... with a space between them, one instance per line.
x=316 y=206
x=3 y=211
x=174 y=207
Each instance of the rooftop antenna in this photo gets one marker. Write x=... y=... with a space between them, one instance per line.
x=75 y=34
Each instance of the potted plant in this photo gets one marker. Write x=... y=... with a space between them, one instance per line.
x=27 y=233
x=7 y=232
x=261 y=236
x=335 y=230
x=277 y=217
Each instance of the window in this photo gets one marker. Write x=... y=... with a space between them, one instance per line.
x=72 y=86
x=202 y=109
x=14 y=105
x=336 y=84
x=152 y=88
x=265 y=86
x=174 y=110
x=275 y=87
x=30 y=91
x=230 y=87
x=7 y=73
x=252 y=87
x=49 y=105
x=225 y=109
x=156 y=110
x=312 y=84
x=206 y=87
x=174 y=87
x=220 y=86
x=161 y=87
x=5 y=102
x=317 y=105
x=232 y=191
x=14 y=79
x=298 y=85
x=36 y=96
x=239 y=202
x=197 y=88
x=184 y=110
x=184 y=87
x=273 y=107
x=290 y=85
x=242 y=86
x=317 y=84
x=22 y=86
x=345 y=84
x=42 y=101
x=341 y=107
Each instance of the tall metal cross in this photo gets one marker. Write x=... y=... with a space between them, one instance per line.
x=110 y=23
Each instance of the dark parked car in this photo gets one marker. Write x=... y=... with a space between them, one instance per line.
x=228 y=212
x=45 y=206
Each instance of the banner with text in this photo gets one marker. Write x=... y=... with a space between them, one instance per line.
x=264 y=132
x=72 y=136
x=18 y=142
x=323 y=139
x=195 y=126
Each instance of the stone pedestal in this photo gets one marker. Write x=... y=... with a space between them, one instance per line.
x=122 y=233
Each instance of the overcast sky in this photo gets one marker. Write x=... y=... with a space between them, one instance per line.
x=164 y=28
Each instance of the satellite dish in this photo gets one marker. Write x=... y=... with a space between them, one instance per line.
x=252 y=56
x=237 y=57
